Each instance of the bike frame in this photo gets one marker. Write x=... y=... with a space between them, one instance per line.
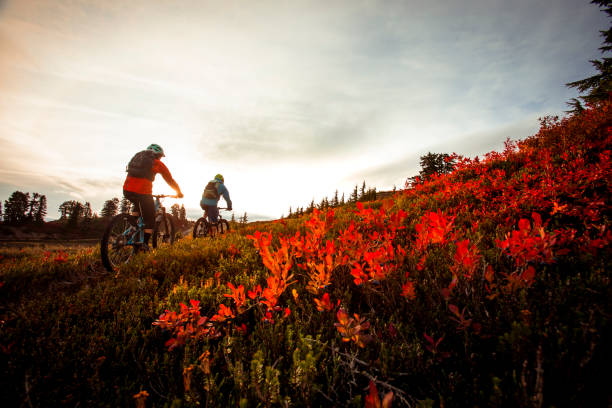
x=160 y=210
x=220 y=216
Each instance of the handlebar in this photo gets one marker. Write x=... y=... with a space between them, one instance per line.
x=165 y=196
x=226 y=209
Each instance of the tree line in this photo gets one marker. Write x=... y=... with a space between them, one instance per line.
x=358 y=194
x=431 y=164
x=21 y=208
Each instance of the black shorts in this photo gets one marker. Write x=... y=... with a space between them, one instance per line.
x=144 y=205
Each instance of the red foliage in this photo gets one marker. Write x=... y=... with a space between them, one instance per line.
x=540 y=199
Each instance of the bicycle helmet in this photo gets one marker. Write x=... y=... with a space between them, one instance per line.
x=220 y=177
x=155 y=148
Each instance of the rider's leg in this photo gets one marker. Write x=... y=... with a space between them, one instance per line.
x=143 y=204
x=134 y=211
x=213 y=213
x=147 y=206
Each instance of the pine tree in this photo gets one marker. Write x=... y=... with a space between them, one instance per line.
x=233 y=220
x=245 y=219
x=76 y=213
x=362 y=194
x=310 y=207
x=15 y=208
x=183 y=215
x=174 y=210
x=41 y=210
x=355 y=196
x=342 y=200
x=64 y=209
x=435 y=163
x=33 y=205
x=87 y=212
x=335 y=201
x=597 y=87
x=125 y=206
x=110 y=208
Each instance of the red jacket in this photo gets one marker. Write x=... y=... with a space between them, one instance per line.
x=145 y=186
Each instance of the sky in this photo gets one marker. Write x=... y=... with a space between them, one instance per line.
x=289 y=100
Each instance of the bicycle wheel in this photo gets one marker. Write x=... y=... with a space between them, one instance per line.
x=201 y=228
x=114 y=247
x=164 y=231
x=223 y=226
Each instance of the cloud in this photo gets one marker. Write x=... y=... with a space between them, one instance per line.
x=317 y=94
x=395 y=173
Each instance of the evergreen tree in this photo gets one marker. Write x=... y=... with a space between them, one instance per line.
x=310 y=207
x=244 y=219
x=33 y=206
x=290 y=213
x=362 y=194
x=233 y=220
x=15 y=208
x=175 y=210
x=0 y=211
x=110 y=208
x=183 y=215
x=597 y=87
x=435 y=163
x=64 y=209
x=87 y=212
x=342 y=200
x=41 y=211
x=335 y=201
x=76 y=213
x=125 y=206
x=355 y=196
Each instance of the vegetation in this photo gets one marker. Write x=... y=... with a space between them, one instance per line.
x=596 y=88
x=21 y=209
x=486 y=286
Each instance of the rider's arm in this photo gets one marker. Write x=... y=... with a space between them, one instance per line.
x=225 y=194
x=159 y=167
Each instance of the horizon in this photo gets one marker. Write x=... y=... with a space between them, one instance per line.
x=290 y=102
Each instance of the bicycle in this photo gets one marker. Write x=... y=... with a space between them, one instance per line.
x=203 y=227
x=122 y=239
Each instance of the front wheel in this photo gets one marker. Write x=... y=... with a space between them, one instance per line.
x=164 y=231
x=223 y=226
x=201 y=228
x=117 y=245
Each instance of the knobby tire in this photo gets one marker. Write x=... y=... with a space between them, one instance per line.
x=113 y=248
x=164 y=231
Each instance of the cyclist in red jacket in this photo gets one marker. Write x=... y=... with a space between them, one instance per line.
x=138 y=186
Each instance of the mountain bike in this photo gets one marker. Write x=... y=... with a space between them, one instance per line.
x=203 y=227
x=124 y=237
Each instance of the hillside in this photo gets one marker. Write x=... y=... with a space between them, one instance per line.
x=489 y=286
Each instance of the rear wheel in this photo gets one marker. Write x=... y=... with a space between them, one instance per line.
x=164 y=231
x=223 y=226
x=201 y=228
x=117 y=245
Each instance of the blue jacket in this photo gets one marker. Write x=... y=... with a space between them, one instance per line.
x=222 y=190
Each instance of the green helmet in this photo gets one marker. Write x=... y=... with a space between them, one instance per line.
x=220 y=177
x=155 y=148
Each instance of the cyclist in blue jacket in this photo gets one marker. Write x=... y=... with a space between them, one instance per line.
x=215 y=189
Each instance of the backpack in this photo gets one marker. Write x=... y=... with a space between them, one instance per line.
x=210 y=191
x=141 y=165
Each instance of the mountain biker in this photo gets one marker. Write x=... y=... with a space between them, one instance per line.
x=138 y=186
x=211 y=196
